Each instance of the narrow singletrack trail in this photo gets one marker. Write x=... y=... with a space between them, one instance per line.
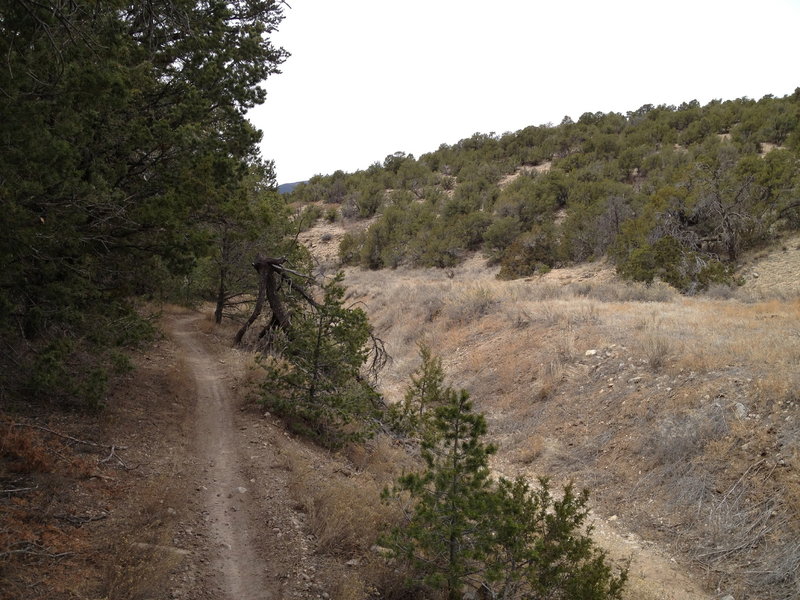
x=225 y=487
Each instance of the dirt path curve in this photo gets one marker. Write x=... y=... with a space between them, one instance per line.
x=249 y=541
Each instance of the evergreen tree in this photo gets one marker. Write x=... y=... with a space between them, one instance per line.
x=465 y=530
x=317 y=380
x=122 y=123
x=425 y=392
x=443 y=538
x=540 y=547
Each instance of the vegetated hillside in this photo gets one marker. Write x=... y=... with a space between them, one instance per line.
x=676 y=193
x=286 y=188
x=680 y=414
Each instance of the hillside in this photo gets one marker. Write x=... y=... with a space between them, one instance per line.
x=619 y=295
x=679 y=413
x=663 y=192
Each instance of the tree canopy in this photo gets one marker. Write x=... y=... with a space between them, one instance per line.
x=123 y=128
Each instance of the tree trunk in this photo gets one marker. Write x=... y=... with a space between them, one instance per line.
x=220 y=296
x=268 y=271
x=256 y=312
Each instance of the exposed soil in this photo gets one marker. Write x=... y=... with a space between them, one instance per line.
x=188 y=491
x=254 y=545
x=184 y=493
x=247 y=542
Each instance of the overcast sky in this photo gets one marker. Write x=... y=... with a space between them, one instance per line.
x=371 y=77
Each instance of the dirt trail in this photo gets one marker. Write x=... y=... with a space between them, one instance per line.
x=253 y=546
x=249 y=540
x=225 y=486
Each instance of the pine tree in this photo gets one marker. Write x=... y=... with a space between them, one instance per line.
x=465 y=530
x=540 y=547
x=442 y=537
x=317 y=381
x=424 y=393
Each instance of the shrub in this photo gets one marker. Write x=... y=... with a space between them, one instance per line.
x=505 y=538
x=318 y=384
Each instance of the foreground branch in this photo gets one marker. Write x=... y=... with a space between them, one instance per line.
x=70 y=438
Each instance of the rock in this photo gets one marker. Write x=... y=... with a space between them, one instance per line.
x=728 y=597
x=740 y=410
x=590 y=352
x=171 y=511
x=241 y=490
x=352 y=562
x=613 y=518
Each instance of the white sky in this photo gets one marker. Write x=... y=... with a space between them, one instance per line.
x=370 y=77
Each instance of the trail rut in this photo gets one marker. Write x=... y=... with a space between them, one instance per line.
x=226 y=487
x=252 y=541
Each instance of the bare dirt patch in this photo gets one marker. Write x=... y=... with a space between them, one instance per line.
x=774 y=273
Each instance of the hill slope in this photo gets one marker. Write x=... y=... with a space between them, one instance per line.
x=681 y=414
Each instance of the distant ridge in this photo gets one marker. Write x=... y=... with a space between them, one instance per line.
x=285 y=188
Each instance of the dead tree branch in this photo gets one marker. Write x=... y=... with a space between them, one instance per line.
x=69 y=437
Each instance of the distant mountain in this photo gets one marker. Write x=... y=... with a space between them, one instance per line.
x=285 y=188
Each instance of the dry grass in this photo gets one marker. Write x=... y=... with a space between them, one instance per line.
x=341 y=496
x=649 y=419
x=343 y=505
x=142 y=546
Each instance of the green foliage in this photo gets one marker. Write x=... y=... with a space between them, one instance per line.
x=317 y=383
x=252 y=219
x=669 y=261
x=450 y=496
x=76 y=371
x=123 y=126
x=464 y=530
x=540 y=547
x=307 y=217
x=426 y=392
x=707 y=176
x=500 y=235
x=530 y=253
x=349 y=249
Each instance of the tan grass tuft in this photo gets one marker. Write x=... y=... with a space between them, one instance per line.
x=344 y=509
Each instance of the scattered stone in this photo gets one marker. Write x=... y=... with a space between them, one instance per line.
x=740 y=410
x=352 y=562
x=171 y=511
x=241 y=490
x=635 y=379
x=590 y=353
x=613 y=518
